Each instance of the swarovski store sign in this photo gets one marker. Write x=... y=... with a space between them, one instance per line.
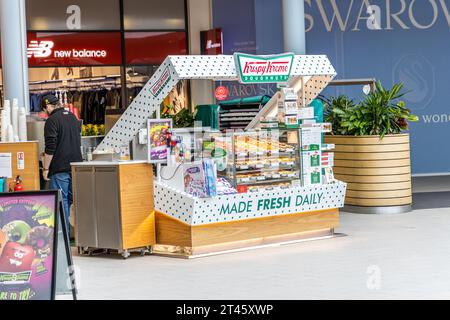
x=390 y=40
x=393 y=41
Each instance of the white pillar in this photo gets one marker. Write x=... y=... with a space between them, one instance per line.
x=294 y=26
x=199 y=19
x=14 y=51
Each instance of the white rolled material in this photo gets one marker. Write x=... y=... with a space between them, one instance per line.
x=15 y=117
x=7 y=104
x=22 y=125
x=4 y=126
x=9 y=134
x=7 y=109
x=6 y=116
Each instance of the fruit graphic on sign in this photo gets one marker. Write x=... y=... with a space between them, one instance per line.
x=17 y=231
x=16 y=258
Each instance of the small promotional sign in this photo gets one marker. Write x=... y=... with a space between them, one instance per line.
x=160 y=83
x=211 y=42
x=264 y=69
x=157 y=139
x=20 y=160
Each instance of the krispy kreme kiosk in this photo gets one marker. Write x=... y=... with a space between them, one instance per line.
x=218 y=192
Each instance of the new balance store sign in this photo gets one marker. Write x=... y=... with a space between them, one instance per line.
x=43 y=49
x=263 y=69
x=74 y=49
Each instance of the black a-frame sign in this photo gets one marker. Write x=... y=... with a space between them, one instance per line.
x=64 y=277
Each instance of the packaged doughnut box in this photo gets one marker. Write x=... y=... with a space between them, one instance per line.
x=289 y=94
x=306 y=113
x=313 y=177
x=194 y=180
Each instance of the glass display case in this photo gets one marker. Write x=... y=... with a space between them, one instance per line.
x=255 y=160
x=191 y=140
x=240 y=162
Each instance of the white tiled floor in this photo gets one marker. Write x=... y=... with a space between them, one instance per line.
x=411 y=252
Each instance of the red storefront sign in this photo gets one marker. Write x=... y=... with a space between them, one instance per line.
x=70 y=49
x=221 y=93
x=211 y=42
x=50 y=49
x=151 y=48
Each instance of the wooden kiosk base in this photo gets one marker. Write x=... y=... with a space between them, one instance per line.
x=179 y=239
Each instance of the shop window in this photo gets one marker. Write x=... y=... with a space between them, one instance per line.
x=154 y=14
x=151 y=48
x=73 y=15
x=87 y=91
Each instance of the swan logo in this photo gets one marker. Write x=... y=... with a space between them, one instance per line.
x=418 y=75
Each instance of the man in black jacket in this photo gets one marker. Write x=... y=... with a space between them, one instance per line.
x=62 y=133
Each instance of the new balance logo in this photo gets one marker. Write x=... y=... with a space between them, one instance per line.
x=211 y=45
x=40 y=49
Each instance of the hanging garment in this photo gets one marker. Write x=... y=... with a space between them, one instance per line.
x=92 y=104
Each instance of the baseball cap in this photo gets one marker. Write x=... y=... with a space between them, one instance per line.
x=49 y=99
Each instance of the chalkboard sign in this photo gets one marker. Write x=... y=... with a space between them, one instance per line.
x=29 y=225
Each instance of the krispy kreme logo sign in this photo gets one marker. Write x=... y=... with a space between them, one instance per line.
x=160 y=83
x=264 y=69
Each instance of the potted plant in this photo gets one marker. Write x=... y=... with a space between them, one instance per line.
x=183 y=119
x=372 y=149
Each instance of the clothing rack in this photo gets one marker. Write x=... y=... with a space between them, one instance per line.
x=107 y=82
x=74 y=84
x=76 y=79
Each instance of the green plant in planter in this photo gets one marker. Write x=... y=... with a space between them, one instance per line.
x=334 y=108
x=380 y=113
x=183 y=119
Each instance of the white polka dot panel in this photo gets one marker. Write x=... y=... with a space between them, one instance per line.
x=221 y=67
x=242 y=206
x=311 y=65
x=142 y=107
x=205 y=67
x=177 y=204
x=314 y=87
